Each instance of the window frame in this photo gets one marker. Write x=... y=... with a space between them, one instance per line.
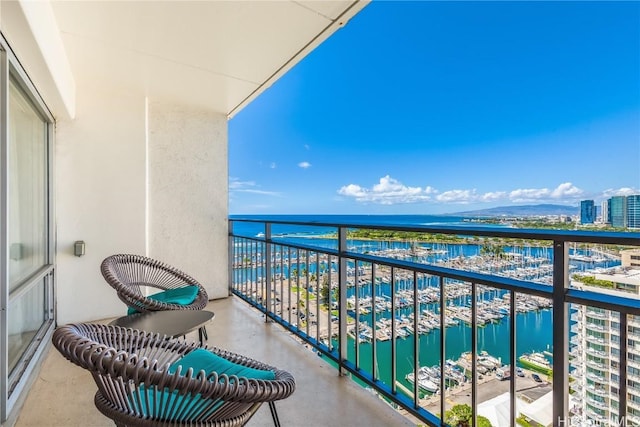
x=13 y=384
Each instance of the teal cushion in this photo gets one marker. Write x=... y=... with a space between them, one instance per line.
x=165 y=405
x=182 y=296
x=200 y=359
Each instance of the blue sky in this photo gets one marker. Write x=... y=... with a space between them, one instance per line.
x=441 y=107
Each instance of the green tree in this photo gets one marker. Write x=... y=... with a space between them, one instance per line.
x=592 y=281
x=324 y=290
x=462 y=415
x=492 y=249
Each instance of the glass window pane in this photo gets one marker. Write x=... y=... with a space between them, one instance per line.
x=27 y=187
x=26 y=315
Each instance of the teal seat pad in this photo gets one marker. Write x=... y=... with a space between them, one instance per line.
x=183 y=296
x=200 y=359
x=175 y=407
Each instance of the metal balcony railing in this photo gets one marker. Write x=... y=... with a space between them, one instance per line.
x=362 y=305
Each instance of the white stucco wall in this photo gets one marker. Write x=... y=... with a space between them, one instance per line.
x=188 y=186
x=142 y=177
x=100 y=161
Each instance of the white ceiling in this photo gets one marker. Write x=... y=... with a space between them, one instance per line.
x=216 y=55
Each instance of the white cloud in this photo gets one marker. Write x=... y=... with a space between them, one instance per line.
x=387 y=191
x=272 y=165
x=235 y=183
x=624 y=191
x=563 y=192
x=390 y=191
x=493 y=196
x=430 y=190
x=567 y=190
x=353 y=190
x=304 y=165
x=458 y=196
x=237 y=186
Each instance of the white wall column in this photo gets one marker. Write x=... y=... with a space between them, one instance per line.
x=188 y=192
x=100 y=196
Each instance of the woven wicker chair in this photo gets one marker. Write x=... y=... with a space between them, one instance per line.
x=136 y=387
x=131 y=275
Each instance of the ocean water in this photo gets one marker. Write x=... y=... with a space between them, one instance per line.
x=533 y=333
x=253 y=229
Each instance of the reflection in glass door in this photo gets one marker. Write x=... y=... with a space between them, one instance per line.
x=26 y=241
x=28 y=217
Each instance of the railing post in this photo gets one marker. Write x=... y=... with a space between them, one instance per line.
x=560 y=332
x=342 y=297
x=268 y=275
x=474 y=352
x=622 y=366
x=443 y=345
x=231 y=263
x=513 y=357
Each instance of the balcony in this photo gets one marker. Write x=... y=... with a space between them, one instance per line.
x=595 y=327
x=599 y=391
x=63 y=393
x=594 y=377
x=272 y=278
x=595 y=352
x=598 y=404
x=597 y=315
x=597 y=365
x=596 y=340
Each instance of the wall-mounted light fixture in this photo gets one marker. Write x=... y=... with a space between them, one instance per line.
x=78 y=248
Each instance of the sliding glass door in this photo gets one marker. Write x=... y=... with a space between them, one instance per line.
x=27 y=258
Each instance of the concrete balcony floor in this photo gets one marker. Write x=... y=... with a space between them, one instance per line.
x=63 y=393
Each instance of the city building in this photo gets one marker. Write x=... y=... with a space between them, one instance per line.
x=618 y=211
x=587 y=212
x=633 y=211
x=595 y=353
x=630 y=258
x=622 y=211
x=605 y=217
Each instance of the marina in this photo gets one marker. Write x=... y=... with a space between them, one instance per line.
x=412 y=327
x=416 y=313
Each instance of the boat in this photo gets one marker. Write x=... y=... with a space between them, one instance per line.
x=536 y=362
x=425 y=382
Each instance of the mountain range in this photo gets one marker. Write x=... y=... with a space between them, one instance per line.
x=524 y=210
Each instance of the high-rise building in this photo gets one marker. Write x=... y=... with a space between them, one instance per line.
x=595 y=356
x=606 y=217
x=633 y=211
x=618 y=209
x=587 y=212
